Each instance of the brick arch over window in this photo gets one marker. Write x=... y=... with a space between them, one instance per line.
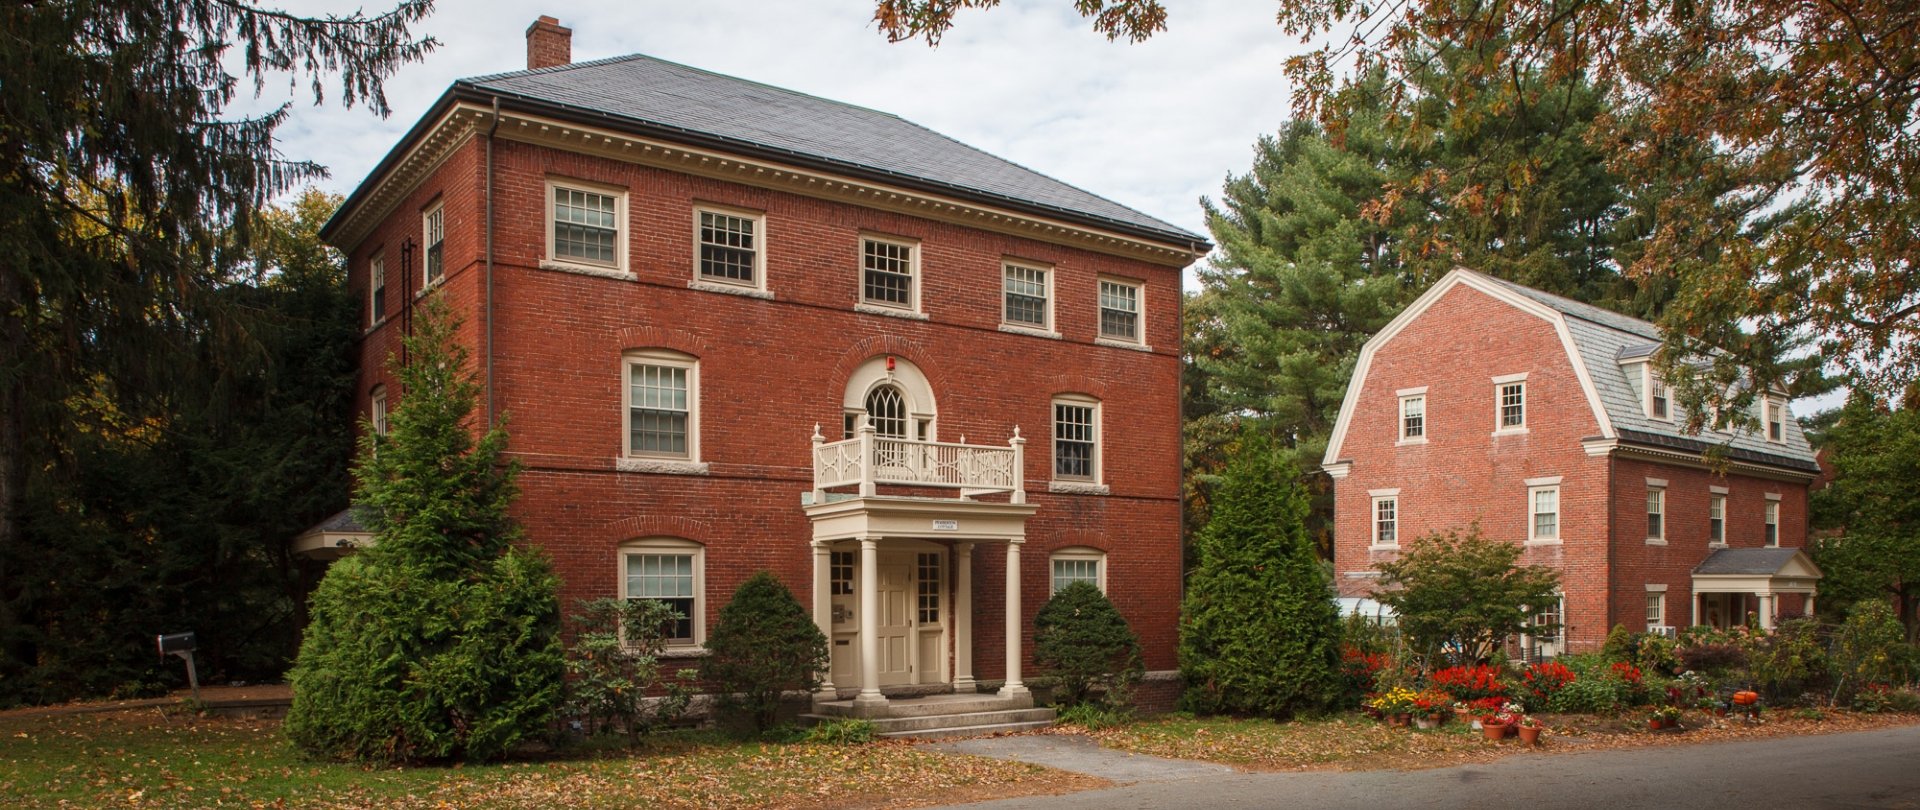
x=878 y=345
x=654 y=337
x=641 y=526
x=1081 y=384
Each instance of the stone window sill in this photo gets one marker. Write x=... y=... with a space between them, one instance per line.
x=891 y=312
x=1383 y=547
x=1123 y=344
x=586 y=270
x=1519 y=431
x=1076 y=488
x=690 y=651
x=661 y=466
x=729 y=289
x=1543 y=542
x=1031 y=331
x=1406 y=442
x=1655 y=541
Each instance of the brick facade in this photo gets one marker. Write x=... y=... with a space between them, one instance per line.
x=1467 y=473
x=770 y=369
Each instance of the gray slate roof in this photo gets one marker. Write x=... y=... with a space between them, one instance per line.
x=1604 y=338
x=345 y=521
x=1747 y=561
x=672 y=99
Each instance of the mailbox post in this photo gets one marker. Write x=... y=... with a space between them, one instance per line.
x=183 y=645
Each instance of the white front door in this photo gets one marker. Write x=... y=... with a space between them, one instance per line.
x=912 y=615
x=896 y=619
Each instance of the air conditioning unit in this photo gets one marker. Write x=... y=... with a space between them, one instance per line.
x=1664 y=630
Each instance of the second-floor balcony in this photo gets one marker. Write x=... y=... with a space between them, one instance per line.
x=869 y=460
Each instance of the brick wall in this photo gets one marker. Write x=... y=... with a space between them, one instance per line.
x=771 y=369
x=1464 y=474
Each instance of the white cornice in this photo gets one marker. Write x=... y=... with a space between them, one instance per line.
x=465 y=118
x=1696 y=461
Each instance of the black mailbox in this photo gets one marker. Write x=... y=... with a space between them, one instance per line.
x=176 y=643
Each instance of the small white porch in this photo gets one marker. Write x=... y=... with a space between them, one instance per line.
x=1732 y=581
x=893 y=574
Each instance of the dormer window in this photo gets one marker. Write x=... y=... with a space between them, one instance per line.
x=1659 y=398
x=1776 y=418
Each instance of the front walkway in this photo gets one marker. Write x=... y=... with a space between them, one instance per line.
x=1080 y=754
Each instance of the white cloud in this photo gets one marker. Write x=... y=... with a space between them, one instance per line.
x=1153 y=126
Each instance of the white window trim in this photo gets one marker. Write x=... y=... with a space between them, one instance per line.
x=1559 y=515
x=1770 y=517
x=1095 y=485
x=1079 y=554
x=1500 y=383
x=438 y=206
x=1648 y=379
x=621 y=233
x=377 y=413
x=702 y=281
x=915 y=284
x=1139 y=339
x=1424 y=421
x=1717 y=496
x=1768 y=404
x=629 y=461
x=377 y=286
x=1657 y=597
x=1047 y=277
x=1373 y=519
x=1661 y=488
x=673 y=545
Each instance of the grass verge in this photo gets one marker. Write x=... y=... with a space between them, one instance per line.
x=149 y=759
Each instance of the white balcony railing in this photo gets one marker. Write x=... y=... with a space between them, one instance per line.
x=868 y=460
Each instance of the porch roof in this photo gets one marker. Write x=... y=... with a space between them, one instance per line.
x=1756 y=570
x=334 y=537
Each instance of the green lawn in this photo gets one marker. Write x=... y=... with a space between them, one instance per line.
x=149 y=759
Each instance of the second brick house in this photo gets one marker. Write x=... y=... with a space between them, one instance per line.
x=1544 y=422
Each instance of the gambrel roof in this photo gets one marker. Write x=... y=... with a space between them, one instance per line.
x=1606 y=348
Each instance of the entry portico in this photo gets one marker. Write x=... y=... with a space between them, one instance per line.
x=880 y=558
x=1724 y=582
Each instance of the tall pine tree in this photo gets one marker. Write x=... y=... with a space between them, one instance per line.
x=1259 y=632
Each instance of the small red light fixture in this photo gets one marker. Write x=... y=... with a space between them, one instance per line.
x=889 y=362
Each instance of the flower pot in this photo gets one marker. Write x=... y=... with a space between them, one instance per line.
x=1398 y=720
x=1530 y=735
x=1493 y=731
x=1510 y=729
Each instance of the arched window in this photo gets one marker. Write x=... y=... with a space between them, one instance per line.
x=887 y=411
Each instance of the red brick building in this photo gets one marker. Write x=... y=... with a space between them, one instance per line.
x=1543 y=421
x=736 y=328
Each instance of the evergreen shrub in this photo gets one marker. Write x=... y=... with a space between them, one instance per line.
x=764 y=646
x=1080 y=639
x=615 y=683
x=1259 y=630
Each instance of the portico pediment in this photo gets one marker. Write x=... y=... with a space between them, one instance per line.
x=929 y=518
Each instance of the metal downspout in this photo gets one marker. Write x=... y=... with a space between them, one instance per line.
x=491 y=415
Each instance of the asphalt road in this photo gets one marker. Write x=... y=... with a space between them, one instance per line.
x=1878 y=769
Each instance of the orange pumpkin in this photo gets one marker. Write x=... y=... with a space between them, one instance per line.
x=1746 y=698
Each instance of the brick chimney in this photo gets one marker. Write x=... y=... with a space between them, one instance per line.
x=548 y=44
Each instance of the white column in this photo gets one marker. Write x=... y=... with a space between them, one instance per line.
x=823 y=608
x=1766 y=611
x=963 y=618
x=869 y=624
x=1013 y=687
x=1809 y=610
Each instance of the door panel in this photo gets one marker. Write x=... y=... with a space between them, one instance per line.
x=896 y=619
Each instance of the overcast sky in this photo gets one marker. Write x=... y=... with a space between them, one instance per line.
x=1153 y=126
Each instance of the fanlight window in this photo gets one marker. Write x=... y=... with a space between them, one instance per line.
x=887 y=412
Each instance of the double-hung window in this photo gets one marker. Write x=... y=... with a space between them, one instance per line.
x=731 y=250
x=377 y=409
x=1120 y=310
x=376 y=290
x=1026 y=299
x=1773 y=524
x=1544 y=508
x=668 y=571
x=1656 y=513
x=1510 y=404
x=889 y=270
x=433 y=234
x=1656 y=609
x=1386 y=520
x=1076 y=439
x=1717 y=520
x=1659 y=398
x=661 y=405
x=1413 y=417
x=585 y=225
x=1072 y=565
x=1776 y=413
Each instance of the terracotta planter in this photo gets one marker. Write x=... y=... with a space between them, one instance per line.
x=1530 y=735
x=1399 y=720
x=1463 y=715
x=1493 y=731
